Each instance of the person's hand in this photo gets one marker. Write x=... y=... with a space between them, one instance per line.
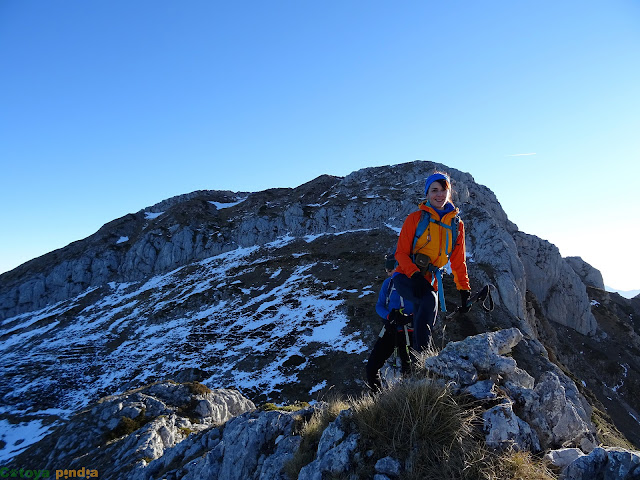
x=393 y=316
x=404 y=318
x=464 y=300
x=421 y=285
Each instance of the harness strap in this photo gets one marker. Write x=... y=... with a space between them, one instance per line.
x=425 y=218
x=437 y=275
x=451 y=232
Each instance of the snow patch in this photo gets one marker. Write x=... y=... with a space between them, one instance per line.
x=221 y=205
x=391 y=227
x=19 y=436
x=276 y=273
x=318 y=387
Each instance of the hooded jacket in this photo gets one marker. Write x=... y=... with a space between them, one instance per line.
x=433 y=243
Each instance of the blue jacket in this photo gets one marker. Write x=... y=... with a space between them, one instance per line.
x=389 y=299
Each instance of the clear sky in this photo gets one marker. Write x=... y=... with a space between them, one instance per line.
x=107 y=107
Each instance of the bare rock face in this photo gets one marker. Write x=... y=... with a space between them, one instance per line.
x=506 y=430
x=605 y=464
x=555 y=409
x=550 y=410
x=557 y=287
x=589 y=275
x=137 y=427
x=466 y=360
x=492 y=246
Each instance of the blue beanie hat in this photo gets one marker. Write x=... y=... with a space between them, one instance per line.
x=433 y=178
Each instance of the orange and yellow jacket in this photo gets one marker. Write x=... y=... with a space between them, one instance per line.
x=432 y=243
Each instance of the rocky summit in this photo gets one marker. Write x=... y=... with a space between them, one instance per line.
x=148 y=345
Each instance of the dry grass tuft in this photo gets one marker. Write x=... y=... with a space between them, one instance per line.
x=517 y=466
x=424 y=425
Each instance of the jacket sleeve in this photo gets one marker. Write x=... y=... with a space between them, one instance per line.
x=459 y=262
x=381 y=304
x=405 y=244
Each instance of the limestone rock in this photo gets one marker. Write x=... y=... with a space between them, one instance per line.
x=563 y=456
x=123 y=430
x=388 y=466
x=335 y=450
x=555 y=284
x=462 y=361
x=551 y=405
x=504 y=430
x=604 y=464
x=589 y=275
x=554 y=409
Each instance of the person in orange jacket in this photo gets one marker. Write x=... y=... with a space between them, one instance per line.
x=421 y=260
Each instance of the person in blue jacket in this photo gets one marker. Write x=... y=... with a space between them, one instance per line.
x=397 y=316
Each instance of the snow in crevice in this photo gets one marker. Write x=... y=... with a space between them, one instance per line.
x=221 y=205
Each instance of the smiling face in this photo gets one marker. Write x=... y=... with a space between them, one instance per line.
x=438 y=195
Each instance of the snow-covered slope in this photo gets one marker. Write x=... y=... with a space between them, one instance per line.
x=259 y=319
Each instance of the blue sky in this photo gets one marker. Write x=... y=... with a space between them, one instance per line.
x=109 y=107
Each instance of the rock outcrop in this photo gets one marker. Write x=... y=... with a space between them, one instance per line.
x=554 y=411
x=175 y=431
x=137 y=427
x=600 y=464
x=556 y=286
x=590 y=276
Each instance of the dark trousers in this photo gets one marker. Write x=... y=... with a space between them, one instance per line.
x=382 y=350
x=425 y=310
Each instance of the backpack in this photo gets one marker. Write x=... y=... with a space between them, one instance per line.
x=425 y=219
x=390 y=289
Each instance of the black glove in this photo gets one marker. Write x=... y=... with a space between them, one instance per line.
x=421 y=285
x=393 y=317
x=404 y=318
x=464 y=299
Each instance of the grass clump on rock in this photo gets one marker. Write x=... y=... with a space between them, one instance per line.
x=197 y=388
x=311 y=431
x=434 y=434
x=128 y=425
x=423 y=425
x=294 y=407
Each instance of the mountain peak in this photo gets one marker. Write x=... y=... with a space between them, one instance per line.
x=273 y=293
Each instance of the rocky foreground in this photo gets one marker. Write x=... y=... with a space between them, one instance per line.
x=186 y=431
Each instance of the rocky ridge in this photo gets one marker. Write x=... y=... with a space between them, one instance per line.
x=266 y=292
